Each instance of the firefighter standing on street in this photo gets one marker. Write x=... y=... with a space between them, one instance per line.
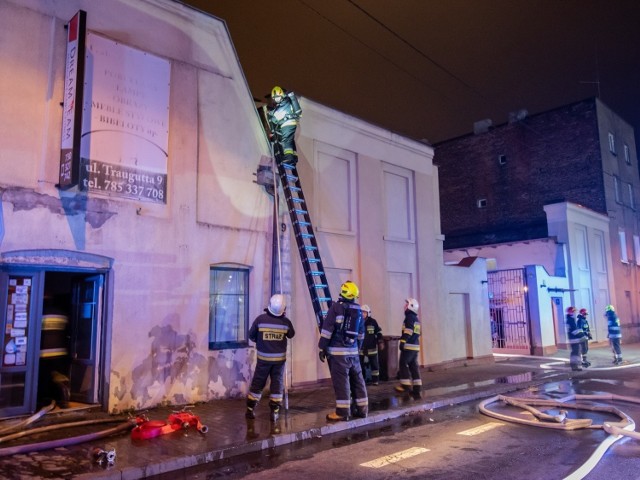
x=614 y=333
x=283 y=119
x=410 y=380
x=270 y=331
x=340 y=339
x=372 y=341
x=584 y=325
x=576 y=338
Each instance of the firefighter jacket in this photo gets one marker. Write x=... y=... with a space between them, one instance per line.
x=335 y=339
x=613 y=325
x=410 y=339
x=372 y=335
x=284 y=114
x=575 y=333
x=270 y=334
x=584 y=325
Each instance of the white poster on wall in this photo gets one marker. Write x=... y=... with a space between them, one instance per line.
x=125 y=128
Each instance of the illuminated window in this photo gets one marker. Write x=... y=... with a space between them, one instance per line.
x=636 y=248
x=228 y=307
x=624 y=257
x=616 y=189
x=481 y=203
x=627 y=155
x=612 y=143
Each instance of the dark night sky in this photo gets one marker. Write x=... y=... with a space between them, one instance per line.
x=428 y=69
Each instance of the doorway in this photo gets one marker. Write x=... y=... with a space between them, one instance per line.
x=54 y=321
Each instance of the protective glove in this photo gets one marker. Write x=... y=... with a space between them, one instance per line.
x=590 y=337
x=322 y=356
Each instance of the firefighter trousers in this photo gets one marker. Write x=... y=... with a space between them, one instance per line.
x=346 y=371
x=265 y=370
x=410 y=371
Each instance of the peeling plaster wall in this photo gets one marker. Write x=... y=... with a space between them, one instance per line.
x=161 y=254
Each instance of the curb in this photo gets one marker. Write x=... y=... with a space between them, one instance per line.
x=184 y=462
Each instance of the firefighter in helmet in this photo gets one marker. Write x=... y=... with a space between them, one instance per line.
x=576 y=338
x=270 y=331
x=409 y=345
x=340 y=339
x=614 y=333
x=372 y=342
x=584 y=325
x=283 y=117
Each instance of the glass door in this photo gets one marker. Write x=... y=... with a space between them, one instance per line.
x=20 y=319
x=85 y=332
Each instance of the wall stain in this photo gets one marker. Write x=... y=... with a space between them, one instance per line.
x=96 y=210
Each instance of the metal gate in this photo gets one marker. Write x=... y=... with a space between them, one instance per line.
x=508 y=307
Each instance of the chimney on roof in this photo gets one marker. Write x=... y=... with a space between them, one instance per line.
x=482 y=126
x=518 y=116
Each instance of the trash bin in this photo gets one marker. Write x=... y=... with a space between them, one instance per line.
x=389 y=358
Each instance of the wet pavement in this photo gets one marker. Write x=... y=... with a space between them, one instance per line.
x=230 y=434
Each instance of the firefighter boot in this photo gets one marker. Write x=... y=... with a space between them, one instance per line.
x=250 y=413
x=585 y=362
x=416 y=392
x=275 y=411
x=334 y=417
x=402 y=389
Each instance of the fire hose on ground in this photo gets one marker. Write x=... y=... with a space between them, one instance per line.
x=616 y=430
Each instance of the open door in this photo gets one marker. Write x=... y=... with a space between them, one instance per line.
x=86 y=321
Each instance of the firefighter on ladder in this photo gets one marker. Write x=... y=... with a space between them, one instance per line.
x=283 y=119
x=270 y=331
x=340 y=339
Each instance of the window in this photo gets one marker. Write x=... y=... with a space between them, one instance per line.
x=228 y=307
x=502 y=159
x=627 y=155
x=624 y=257
x=636 y=248
x=612 y=143
x=632 y=201
x=616 y=188
x=482 y=203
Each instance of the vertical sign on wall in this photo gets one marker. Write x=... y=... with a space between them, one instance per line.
x=125 y=128
x=72 y=102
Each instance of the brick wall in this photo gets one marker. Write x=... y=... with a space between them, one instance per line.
x=549 y=157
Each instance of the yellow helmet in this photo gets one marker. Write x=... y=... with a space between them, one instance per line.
x=349 y=290
x=609 y=308
x=277 y=92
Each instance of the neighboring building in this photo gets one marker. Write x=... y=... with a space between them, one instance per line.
x=164 y=257
x=559 y=190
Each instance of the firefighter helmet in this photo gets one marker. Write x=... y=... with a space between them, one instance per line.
x=571 y=310
x=412 y=304
x=277 y=305
x=583 y=312
x=349 y=290
x=366 y=308
x=277 y=92
x=609 y=308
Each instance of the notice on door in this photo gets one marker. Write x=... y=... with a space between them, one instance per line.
x=14 y=352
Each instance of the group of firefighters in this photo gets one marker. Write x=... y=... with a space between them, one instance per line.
x=579 y=334
x=349 y=338
x=349 y=334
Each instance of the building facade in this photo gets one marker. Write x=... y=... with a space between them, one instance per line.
x=556 y=189
x=140 y=266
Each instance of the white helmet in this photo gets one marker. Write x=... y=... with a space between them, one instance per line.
x=277 y=304
x=412 y=304
x=366 y=308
